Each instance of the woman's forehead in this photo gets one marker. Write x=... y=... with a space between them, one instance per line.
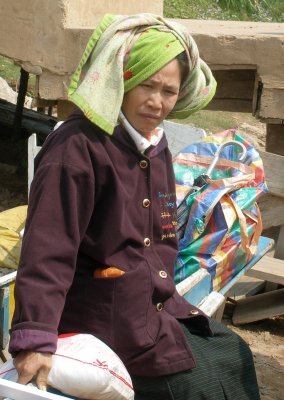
x=170 y=74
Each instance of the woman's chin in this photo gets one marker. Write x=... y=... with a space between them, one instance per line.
x=146 y=129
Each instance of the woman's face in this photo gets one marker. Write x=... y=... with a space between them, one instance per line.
x=149 y=103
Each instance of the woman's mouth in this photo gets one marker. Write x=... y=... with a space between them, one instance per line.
x=150 y=116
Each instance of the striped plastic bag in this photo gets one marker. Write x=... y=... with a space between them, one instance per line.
x=223 y=221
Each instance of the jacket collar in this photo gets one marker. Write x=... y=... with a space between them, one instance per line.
x=122 y=136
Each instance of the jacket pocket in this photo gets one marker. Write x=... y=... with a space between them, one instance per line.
x=132 y=303
x=89 y=308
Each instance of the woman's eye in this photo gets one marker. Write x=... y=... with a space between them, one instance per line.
x=146 y=85
x=171 y=93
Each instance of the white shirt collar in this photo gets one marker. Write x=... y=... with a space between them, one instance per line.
x=141 y=142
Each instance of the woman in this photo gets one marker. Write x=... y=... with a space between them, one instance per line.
x=100 y=244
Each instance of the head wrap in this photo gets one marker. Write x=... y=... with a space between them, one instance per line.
x=122 y=52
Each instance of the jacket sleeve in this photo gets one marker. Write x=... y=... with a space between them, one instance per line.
x=60 y=206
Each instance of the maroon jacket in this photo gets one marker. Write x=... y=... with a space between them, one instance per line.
x=96 y=201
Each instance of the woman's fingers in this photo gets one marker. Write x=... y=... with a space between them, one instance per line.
x=30 y=365
x=25 y=366
x=41 y=379
x=25 y=378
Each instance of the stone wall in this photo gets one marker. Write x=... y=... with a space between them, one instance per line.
x=82 y=13
x=51 y=34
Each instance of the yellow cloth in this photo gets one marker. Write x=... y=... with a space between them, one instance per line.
x=11 y=223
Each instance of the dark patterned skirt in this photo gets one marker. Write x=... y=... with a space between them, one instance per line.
x=224 y=371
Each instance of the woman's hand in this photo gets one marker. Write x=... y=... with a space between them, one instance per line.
x=30 y=364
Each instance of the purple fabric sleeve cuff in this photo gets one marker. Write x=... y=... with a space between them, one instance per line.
x=32 y=339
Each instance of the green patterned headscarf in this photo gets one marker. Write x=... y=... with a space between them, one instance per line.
x=124 y=51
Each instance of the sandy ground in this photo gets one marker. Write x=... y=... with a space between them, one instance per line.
x=268 y=350
x=265 y=338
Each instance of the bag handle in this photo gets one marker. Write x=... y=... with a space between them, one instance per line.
x=247 y=172
x=250 y=249
x=220 y=148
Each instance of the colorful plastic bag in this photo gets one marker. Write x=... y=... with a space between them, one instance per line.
x=223 y=219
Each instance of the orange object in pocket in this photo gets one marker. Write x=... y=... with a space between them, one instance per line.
x=108 y=272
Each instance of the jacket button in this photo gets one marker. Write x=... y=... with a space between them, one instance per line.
x=163 y=274
x=147 y=242
x=146 y=203
x=143 y=164
x=159 y=306
x=194 y=312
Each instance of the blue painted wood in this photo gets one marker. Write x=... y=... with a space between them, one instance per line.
x=198 y=292
x=4 y=316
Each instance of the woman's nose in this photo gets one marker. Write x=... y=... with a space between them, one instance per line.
x=155 y=100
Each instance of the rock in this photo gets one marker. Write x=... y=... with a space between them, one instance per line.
x=8 y=94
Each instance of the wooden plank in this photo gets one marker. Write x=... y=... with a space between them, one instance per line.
x=279 y=250
x=16 y=391
x=7 y=277
x=218 y=314
x=33 y=150
x=269 y=269
x=213 y=305
x=196 y=287
x=274 y=167
x=259 y=307
x=246 y=286
x=272 y=210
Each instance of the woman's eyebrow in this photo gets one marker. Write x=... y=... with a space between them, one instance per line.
x=169 y=87
x=172 y=87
